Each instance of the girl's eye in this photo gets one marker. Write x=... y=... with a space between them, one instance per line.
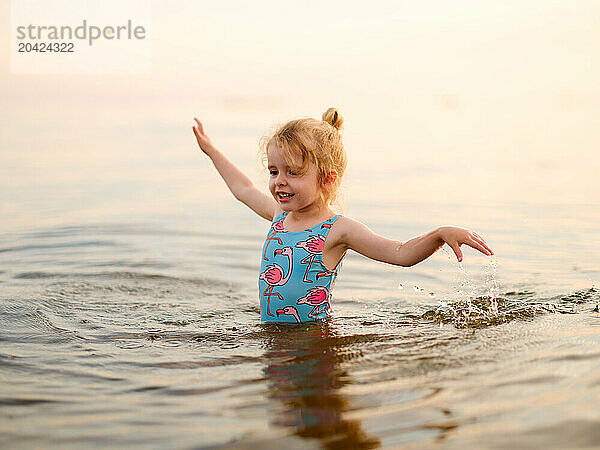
x=291 y=172
x=273 y=172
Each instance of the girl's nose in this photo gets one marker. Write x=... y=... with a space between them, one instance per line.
x=280 y=181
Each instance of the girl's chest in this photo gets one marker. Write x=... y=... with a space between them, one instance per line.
x=318 y=242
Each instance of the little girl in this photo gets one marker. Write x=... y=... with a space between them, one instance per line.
x=307 y=242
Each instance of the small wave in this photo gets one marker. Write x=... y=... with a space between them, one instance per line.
x=134 y=264
x=35 y=275
x=235 y=360
x=25 y=401
x=133 y=229
x=485 y=311
x=227 y=338
x=70 y=231
x=577 y=357
x=22 y=315
x=211 y=282
x=61 y=245
x=146 y=389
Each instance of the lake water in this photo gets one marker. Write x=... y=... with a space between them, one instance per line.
x=125 y=328
x=129 y=312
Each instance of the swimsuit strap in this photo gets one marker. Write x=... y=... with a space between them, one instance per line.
x=324 y=230
x=279 y=216
x=283 y=214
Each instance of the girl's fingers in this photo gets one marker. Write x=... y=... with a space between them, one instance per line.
x=477 y=246
x=474 y=237
x=480 y=240
x=198 y=139
x=471 y=239
x=200 y=127
x=457 y=251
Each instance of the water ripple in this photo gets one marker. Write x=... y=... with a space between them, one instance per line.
x=20 y=248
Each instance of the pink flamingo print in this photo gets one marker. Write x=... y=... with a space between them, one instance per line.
x=325 y=225
x=314 y=246
x=273 y=275
x=290 y=311
x=326 y=274
x=316 y=297
x=277 y=228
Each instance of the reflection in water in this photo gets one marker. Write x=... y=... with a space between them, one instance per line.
x=304 y=374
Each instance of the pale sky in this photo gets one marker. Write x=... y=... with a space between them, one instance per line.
x=504 y=93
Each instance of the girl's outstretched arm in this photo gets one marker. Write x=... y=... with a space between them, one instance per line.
x=358 y=237
x=238 y=183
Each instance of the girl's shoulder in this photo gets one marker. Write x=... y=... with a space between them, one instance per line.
x=342 y=228
x=346 y=223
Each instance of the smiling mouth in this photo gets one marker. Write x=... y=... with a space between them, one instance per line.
x=284 y=195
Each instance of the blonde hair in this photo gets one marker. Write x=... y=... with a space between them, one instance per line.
x=312 y=141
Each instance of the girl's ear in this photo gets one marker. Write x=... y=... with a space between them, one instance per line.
x=330 y=178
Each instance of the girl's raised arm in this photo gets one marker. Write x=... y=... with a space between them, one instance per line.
x=238 y=183
x=358 y=237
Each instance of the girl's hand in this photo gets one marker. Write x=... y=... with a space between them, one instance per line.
x=203 y=140
x=455 y=237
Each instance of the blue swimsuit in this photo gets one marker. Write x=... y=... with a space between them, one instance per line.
x=294 y=285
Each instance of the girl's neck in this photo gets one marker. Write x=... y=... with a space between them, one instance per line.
x=309 y=215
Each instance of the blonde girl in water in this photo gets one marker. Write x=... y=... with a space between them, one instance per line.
x=306 y=243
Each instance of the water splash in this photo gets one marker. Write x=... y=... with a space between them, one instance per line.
x=465 y=291
x=463 y=286
x=491 y=272
x=481 y=312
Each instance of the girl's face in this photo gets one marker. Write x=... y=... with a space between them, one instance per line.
x=292 y=192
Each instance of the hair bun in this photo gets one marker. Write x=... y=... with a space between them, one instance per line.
x=333 y=117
